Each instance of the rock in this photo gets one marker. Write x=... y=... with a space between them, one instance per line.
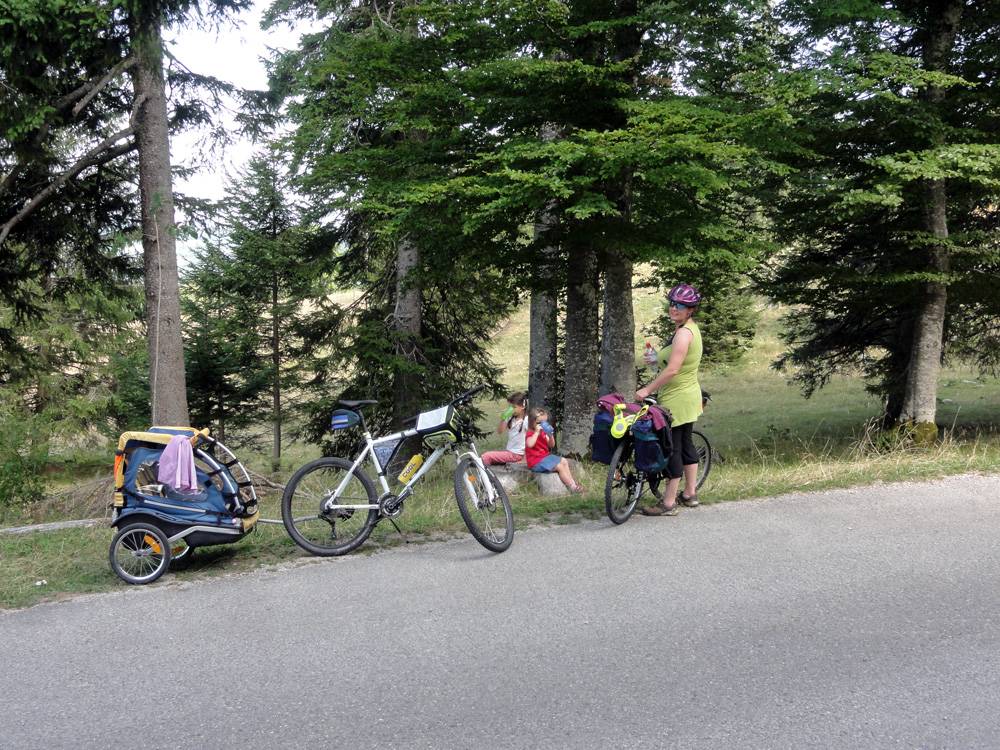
x=550 y=485
x=511 y=476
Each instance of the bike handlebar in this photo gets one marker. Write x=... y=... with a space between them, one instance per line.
x=467 y=396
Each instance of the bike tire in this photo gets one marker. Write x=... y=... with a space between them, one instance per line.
x=623 y=487
x=139 y=553
x=704 y=449
x=307 y=489
x=479 y=520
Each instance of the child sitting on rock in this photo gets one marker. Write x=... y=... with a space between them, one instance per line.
x=515 y=423
x=538 y=442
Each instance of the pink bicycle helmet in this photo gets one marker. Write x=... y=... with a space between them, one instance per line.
x=684 y=294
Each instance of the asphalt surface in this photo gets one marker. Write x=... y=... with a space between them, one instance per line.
x=846 y=619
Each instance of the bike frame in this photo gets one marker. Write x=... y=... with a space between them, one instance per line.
x=368 y=452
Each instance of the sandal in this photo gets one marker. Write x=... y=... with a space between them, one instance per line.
x=659 y=510
x=688 y=502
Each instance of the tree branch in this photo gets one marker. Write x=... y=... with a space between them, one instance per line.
x=104 y=152
x=95 y=89
x=87 y=91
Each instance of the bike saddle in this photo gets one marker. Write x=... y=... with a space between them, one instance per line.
x=356 y=404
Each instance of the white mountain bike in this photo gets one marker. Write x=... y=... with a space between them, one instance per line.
x=330 y=506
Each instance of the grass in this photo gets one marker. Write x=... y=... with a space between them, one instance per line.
x=773 y=441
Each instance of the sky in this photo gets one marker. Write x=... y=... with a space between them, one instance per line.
x=233 y=53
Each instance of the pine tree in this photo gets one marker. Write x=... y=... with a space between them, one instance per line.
x=641 y=167
x=246 y=305
x=226 y=384
x=369 y=143
x=73 y=130
x=894 y=139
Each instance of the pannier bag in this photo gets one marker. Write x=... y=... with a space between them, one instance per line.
x=602 y=444
x=649 y=455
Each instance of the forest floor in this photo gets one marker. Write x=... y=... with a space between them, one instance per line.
x=771 y=440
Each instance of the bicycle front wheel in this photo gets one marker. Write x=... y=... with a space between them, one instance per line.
x=491 y=522
x=320 y=520
x=624 y=485
x=704 y=450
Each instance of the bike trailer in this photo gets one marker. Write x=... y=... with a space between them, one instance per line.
x=157 y=522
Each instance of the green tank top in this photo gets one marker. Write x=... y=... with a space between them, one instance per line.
x=682 y=395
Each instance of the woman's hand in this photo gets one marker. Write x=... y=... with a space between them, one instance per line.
x=641 y=394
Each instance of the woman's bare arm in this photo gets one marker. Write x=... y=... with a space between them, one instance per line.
x=682 y=342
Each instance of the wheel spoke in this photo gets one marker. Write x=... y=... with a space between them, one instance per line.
x=138 y=553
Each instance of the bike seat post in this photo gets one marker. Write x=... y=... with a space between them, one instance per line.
x=364 y=424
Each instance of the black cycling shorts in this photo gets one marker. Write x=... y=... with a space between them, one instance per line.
x=683 y=453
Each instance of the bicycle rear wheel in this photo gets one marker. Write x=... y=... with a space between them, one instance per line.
x=624 y=486
x=329 y=528
x=704 y=449
x=491 y=522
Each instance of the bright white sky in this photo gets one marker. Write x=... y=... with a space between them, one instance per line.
x=235 y=54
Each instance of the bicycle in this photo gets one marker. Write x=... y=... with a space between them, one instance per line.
x=626 y=484
x=331 y=506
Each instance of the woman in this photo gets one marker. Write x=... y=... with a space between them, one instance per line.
x=681 y=394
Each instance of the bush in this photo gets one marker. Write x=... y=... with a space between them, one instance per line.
x=23 y=454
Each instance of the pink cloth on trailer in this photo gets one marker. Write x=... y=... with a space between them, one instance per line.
x=177 y=465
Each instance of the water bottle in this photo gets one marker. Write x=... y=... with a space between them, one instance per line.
x=650 y=357
x=411 y=468
x=547 y=428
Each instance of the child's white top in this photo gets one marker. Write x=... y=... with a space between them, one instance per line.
x=515 y=435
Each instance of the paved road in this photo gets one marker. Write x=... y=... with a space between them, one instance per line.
x=851 y=619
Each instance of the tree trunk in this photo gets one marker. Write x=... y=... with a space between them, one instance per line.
x=542 y=360
x=166 y=348
x=618 y=328
x=580 y=384
x=543 y=341
x=276 y=374
x=920 y=395
x=407 y=329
